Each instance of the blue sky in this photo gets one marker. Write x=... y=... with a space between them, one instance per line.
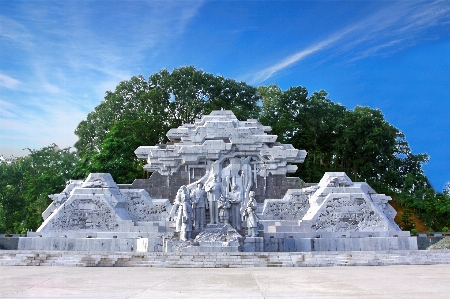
x=57 y=59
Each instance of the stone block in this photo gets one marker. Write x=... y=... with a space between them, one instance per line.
x=253 y=244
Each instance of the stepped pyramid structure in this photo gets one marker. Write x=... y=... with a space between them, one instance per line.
x=219 y=185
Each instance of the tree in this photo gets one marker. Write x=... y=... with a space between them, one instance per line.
x=26 y=183
x=311 y=123
x=12 y=195
x=116 y=154
x=193 y=92
x=366 y=145
x=166 y=100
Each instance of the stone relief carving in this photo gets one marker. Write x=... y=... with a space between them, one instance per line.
x=85 y=213
x=140 y=210
x=293 y=206
x=218 y=233
x=224 y=208
x=347 y=213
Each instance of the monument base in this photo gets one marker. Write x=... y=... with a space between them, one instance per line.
x=339 y=244
x=254 y=244
x=214 y=238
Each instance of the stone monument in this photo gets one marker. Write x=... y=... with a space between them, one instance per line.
x=219 y=185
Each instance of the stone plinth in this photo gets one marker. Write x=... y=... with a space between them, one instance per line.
x=254 y=244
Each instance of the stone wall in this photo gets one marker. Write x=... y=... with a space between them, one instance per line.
x=159 y=186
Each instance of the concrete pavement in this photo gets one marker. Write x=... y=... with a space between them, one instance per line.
x=399 y=281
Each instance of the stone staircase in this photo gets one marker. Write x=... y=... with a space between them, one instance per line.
x=224 y=259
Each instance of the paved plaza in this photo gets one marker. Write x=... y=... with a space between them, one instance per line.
x=401 y=281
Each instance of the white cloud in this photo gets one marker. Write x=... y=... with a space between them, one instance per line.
x=8 y=82
x=270 y=71
x=69 y=57
x=12 y=30
x=391 y=29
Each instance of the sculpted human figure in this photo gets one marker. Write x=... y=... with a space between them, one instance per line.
x=199 y=204
x=224 y=206
x=250 y=216
x=214 y=189
x=235 y=210
x=173 y=215
x=186 y=216
x=183 y=207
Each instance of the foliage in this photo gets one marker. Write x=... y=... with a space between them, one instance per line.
x=414 y=231
x=166 y=100
x=116 y=154
x=406 y=220
x=312 y=123
x=26 y=183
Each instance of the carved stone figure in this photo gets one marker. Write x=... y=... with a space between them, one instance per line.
x=183 y=207
x=224 y=207
x=214 y=189
x=235 y=210
x=250 y=216
x=186 y=215
x=199 y=204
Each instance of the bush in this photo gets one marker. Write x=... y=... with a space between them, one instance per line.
x=445 y=229
x=413 y=231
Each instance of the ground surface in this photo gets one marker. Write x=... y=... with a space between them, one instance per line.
x=412 y=281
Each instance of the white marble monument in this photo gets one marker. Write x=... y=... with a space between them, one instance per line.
x=219 y=185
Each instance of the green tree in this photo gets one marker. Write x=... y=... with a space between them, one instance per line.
x=367 y=144
x=406 y=220
x=194 y=92
x=312 y=123
x=26 y=183
x=165 y=101
x=116 y=154
x=12 y=195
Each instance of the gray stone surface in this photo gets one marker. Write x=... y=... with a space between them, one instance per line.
x=398 y=281
x=9 y=242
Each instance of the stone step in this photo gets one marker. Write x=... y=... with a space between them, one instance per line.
x=211 y=260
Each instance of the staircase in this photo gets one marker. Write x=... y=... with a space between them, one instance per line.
x=224 y=259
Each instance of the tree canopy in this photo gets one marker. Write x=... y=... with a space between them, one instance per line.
x=166 y=100
x=26 y=182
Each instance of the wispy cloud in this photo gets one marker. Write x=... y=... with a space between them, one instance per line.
x=70 y=54
x=391 y=29
x=270 y=71
x=8 y=82
x=12 y=30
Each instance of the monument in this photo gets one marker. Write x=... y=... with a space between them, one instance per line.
x=219 y=185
